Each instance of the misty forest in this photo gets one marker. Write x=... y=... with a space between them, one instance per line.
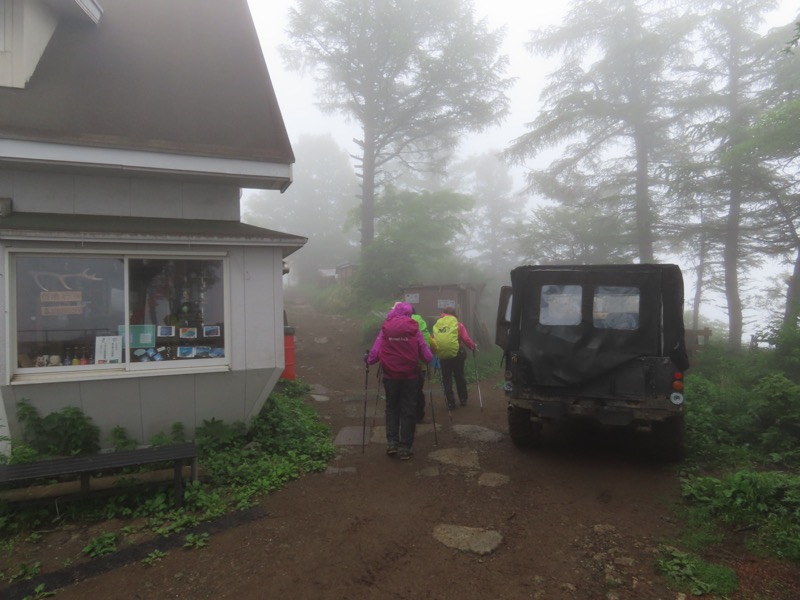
x=666 y=131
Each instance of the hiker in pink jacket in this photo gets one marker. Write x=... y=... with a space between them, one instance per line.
x=400 y=347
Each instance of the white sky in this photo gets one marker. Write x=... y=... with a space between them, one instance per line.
x=296 y=94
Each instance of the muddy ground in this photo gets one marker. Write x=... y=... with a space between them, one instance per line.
x=469 y=516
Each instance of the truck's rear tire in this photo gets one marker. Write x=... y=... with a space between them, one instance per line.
x=521 y=429
x=669 y=438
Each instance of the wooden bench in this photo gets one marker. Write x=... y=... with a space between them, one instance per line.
x=86 y=466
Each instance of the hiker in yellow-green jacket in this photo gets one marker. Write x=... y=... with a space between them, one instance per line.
x=452 y=342
x=423 y=367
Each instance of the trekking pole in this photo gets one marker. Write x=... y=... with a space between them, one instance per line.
x=433 y=412
x=477 y=380
x=366 y=388
x=377 y=394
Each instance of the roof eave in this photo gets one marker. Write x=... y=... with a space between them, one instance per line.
x=81 y=9
x=71 y=158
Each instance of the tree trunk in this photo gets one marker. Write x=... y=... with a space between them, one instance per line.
x=731 y=259
x=792 y=312
x=644 y=217
x=368 y=189
x=700 y=277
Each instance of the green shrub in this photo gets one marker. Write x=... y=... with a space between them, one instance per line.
x=120 y=440
x=689 y=572
x=764 y=503
x=216 y=436
x=67 y=432
x=338 y=298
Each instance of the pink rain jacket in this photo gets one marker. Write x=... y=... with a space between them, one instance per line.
x=400 y=345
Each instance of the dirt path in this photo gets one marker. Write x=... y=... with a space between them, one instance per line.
x=577 y=521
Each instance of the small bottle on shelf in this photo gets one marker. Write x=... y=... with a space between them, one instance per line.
x=75 y=358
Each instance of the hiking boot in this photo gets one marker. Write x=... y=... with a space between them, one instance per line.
x=451 y=405
x=391 y=449
x=463 y=402
x=405 y=453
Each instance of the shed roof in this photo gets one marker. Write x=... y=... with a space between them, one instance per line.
x=174 y=77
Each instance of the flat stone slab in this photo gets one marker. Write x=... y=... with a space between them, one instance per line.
x=319 y=398
x=340 y=470
x=356 y=411
x=318 y=388
x=459 y=457
x=358 y=395
x=352 y=436
x=493 y=479
x=423 y=429
x=477 y=433
x=469 y=539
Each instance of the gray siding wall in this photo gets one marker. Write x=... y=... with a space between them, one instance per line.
x=62 y=193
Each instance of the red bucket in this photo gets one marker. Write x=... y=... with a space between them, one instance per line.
x=288 y=352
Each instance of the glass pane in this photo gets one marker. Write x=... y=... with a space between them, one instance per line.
x=177 y=309
x=67 y=308
x=616 y=307
x=507 y=316
x=561 y=305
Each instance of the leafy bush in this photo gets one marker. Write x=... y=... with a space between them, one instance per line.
x=217 y=435
x=690 y=572
x=776 y=404
x=337 y=298
x=766 y=503
x=287 y=425
x=120 y=440
x=68 y=432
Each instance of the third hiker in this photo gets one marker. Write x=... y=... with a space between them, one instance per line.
x=452 y=342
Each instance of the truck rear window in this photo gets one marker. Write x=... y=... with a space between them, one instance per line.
x=616 y=307
x=560 y=305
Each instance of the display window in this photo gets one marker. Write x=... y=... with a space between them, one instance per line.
x=78 y=312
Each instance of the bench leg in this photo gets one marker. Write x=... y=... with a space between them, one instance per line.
x=84 y=483
x=178 y=483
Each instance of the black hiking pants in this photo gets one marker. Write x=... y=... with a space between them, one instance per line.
x=453 y=368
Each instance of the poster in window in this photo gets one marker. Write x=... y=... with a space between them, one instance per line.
x=188 y=333
x=141 y=336
x=107 y=349
x=211 y=331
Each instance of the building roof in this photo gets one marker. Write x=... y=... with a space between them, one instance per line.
x=178 y=78
x=145 y=230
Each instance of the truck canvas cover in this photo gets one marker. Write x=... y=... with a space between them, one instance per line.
x=574 y=324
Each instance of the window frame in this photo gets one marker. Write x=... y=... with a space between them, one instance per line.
x=126 y=369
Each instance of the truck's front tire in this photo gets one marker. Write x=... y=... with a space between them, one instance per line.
x=521 y=429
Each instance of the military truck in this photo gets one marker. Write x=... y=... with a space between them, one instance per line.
x=598 y=343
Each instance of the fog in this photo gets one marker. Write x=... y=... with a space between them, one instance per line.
x=304 y=120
